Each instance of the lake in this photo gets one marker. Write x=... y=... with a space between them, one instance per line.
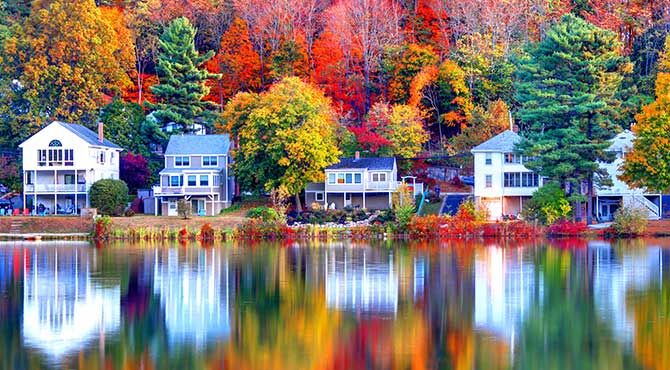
x=567 y=304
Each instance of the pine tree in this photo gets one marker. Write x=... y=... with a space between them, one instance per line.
x=567 y=90
x=182 y=78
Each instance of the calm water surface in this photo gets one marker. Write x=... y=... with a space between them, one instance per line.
x=517 y=305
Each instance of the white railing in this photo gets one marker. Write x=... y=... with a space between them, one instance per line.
x=642 y=201
x=56 y=188
x=382 y=185
x=184 y=190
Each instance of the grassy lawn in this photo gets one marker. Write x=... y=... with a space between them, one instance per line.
x=47 y=224
x=158 y=222
x=431 y=208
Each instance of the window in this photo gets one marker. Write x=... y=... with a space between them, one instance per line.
x=69 y=157
x=349 y=178
x=331 y=178
x=378 y=177
x=176 y=181
x=489 y=159
x=520 y=180
x=101 y=157
x=318 y=197
x=55 y=143
x=512 y=158
x=204 y=180
x=55 y=157
x=29 y=178
x=68 y=179
x=210 y=161
x=192 y=180
x=182 y=161
x=358 y=178
x=340 y=178
x=489 y=181
x=111 y=157
x=41 y=157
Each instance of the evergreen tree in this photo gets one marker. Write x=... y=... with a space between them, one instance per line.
x=567 y=90
x=182 y=78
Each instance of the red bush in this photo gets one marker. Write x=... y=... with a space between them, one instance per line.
x=567 y=228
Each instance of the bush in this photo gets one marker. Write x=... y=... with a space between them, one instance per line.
x=137 y=205
x=184 y=209
x=103 y=227
x=630 y=221
x=263 y=213
x=567 y=228
x=547 y=205
x=109 y=196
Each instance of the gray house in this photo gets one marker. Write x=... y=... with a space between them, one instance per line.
x=196 y=169
x=367 y=183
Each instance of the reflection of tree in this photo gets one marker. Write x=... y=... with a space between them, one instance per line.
x=563 y=330
x=651 y=313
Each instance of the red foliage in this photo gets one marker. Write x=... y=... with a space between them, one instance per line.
x=134 y=170
x=567 y=228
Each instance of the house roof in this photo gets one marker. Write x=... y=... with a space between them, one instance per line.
x=88 y=135
x=370 y=163
x=503 y=142
x=198 y=144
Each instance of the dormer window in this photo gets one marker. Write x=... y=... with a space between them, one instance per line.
x=182 y=161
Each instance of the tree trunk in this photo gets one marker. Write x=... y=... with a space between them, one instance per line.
x=589 y=200
x=298 y=204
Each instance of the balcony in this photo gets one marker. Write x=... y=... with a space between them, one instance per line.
x=56 y=188
x=184 y=190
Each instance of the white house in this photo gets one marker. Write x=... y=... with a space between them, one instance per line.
x=503 y=183
x=61 y=162
x=358 y=182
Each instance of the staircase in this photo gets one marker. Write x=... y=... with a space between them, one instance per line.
x=641 y=201
x=16 y=227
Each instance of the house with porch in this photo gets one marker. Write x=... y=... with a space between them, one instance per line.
x=367 y=183
x=197 y=169
x=503 y=183
x=61 y=162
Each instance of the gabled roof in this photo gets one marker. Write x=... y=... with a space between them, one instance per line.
x=503 y=142
x=81 y=132
x=371 y=163
x=198 y=144
x=88 y=135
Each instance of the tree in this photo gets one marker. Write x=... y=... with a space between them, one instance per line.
x=127 y=124
x=285 y=137
x=109 y=196
x=64 y=58
x=182 y=84
x=10 y=176
x=567 y=91
x=401 y=64
x=648 y=163
x=134 y=170
x=237 y=62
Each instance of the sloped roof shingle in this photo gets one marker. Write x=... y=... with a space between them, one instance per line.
x=371 y=163
x=198 y=144
x=503 y=142
x=87 y=135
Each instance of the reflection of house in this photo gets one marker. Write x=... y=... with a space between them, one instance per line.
x=503 y=183
x=197 y=170
x=615 y=276
x=504 y=290
x=62 y=161
x=358 y=182
x=360 y=283
x=63 y=308
x=194 y=296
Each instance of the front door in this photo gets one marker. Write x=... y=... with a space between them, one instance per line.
x=198 y=206
x=347 y=199
x=172 y=208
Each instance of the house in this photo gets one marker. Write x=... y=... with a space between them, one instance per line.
x=503 y=183
x=358 y=182
x=61 y=162
x=197 y=170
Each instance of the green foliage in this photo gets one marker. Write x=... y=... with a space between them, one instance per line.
x=182 y=79
x=184 y=209
x=403 y=205
x=265 y=214
x=568 y=94
x=109 y=196
x=630 y=221
x=126 y=124
x=547 y=205
x=285 y=136
x=400 y=64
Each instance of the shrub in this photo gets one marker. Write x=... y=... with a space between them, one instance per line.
x=137 y=205
x=184 y=209
x=103 y=227
x=129 y=212
x=567 y=228
x=630 y=221
x=547 y=205
x=263 y=213
x=207 y=232
x=109 y=196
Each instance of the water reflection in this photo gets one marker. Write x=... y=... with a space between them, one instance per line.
x=523 y=305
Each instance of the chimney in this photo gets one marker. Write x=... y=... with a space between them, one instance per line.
x=101 y=132
x=357 y=155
